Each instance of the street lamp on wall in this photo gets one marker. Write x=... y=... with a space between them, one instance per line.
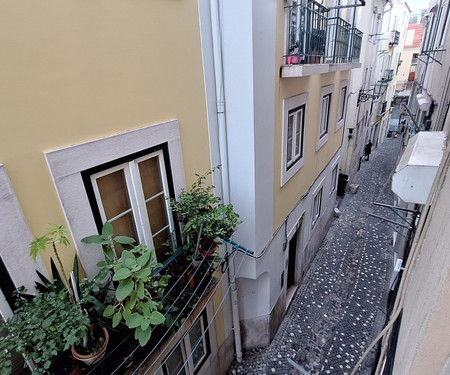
x=377 y=90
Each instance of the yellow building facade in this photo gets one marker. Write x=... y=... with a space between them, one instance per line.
x=95 y=95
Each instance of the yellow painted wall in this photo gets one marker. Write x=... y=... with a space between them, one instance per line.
x=287 y=196
x=74 y=71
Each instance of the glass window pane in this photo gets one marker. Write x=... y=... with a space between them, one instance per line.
x=150 y=177
x=174 y=363
x=289 y=138
x=322 y=119
x=195 y=337
x=124 y=226
x=297 y=132
x=157 y=213
x=113 y=193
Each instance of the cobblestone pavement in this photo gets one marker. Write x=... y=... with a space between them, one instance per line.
x=340 y=306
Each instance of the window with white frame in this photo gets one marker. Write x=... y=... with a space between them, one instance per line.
x=342 y=106
x=294 y=120
x=132 y=196
x=326 y=95
x=317 y=206
x=334 y=175
x=295 y=131
x=71 y=169
x=325 y=105
x=443 y=23
x=191 y=352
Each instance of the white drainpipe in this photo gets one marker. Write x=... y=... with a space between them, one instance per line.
x=223 y=149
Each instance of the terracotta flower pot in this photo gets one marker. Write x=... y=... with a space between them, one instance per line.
x=92 y=358
x=207 y=247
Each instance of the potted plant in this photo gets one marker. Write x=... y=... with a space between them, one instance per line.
x=138 y=288
x=80 y=293
x=204 y=216
x=41 y=328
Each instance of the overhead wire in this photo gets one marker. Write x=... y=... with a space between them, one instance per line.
x=193 y=308
x=165 y=315
x=213 y=317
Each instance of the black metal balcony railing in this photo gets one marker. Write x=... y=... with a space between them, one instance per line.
x=382 y=107
x=395 y=37
x=388 y=75
x=339 y=32
x=313 y=38
x=307 y=33
x=356 y=42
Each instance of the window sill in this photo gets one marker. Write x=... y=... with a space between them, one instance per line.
x=304 y=70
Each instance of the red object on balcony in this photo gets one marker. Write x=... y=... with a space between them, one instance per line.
x=411 y=76
x=293 y=59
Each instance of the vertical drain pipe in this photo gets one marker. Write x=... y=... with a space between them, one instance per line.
x=223 y=148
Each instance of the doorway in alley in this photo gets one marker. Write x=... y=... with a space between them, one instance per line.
x=294 y=245
x=291 y=261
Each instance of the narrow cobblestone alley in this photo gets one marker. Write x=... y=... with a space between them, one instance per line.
x=340 y=307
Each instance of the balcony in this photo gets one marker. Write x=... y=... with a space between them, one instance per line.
x=394 y=39
x=339 y=33
x=355 y=50
x=382 y=108
x=388 y=75
x=317 y=44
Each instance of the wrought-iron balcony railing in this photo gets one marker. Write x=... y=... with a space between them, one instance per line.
x=395 y=37
x=355 y=44
x=339 y=33
x=382 y=107
x=313 y=38
x=388 y=75
x=307 y=33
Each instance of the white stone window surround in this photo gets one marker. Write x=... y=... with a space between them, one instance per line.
x=323 y=131
x=66 y=165
x=288 y=105
x=334 y=175
x=343 y=99
x=317 y=194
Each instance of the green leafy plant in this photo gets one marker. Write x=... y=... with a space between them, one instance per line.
x=56 y=234
x=202 y=212
x=59 y=315
x=41 y=328
x=138 y=287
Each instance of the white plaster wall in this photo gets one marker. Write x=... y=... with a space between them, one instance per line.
x=365 y=21
x=249 y=70
x=211 y=111
x=264 y=75
x=272 y=262
x=16 y=238
x=424 y=340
